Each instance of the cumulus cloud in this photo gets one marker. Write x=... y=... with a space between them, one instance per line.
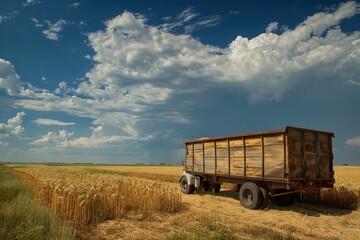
x=353 y=141
x=59 y=138
x=142 y=72
x=130 y=52
x=13 y=126
x=46 y=121
x=9 y=79
x=54 y=29
x=64 y=139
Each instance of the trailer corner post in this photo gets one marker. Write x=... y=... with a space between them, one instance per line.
x=193 y=158
x=244 y=147
x=215 y=157
x=262 y=157
x=228 y=150
x=203 y=156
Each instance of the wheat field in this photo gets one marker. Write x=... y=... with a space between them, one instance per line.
x=344 y=195
x=123 y=206
x=90 y=198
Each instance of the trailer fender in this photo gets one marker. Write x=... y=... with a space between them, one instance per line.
x=191 y=179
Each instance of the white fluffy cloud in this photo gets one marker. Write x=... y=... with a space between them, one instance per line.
x=60 y=138
x=54 y=29
x=130 y=53
x=272 y=27
x=46 y=121
x=13 y=126
x=11 y=83
x=9 y=79
x=353 y=141
x=65 y=139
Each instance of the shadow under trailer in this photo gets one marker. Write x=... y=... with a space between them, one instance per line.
x=273 y=165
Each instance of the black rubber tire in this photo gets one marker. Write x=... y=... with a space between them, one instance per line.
x=250 y=195
x=215 y=188
x=185 y=187
x=206 y=185
x=264 y=197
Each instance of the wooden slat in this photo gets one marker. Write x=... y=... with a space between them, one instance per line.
x=221 y=144
x=198 y=157
x=295 y=162
x=310 y=142
x=310 y=162
x=294 y=141
x=222 y=156
x=253 y=141
x=253 y=158
x=209 y=151
x=189 y=157
x=324 y=141
x=236 y=155
x=274 y=161
x=236 y=143
x=273 y=140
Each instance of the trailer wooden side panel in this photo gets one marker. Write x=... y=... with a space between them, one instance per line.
x=263 y=157
x=294 y=154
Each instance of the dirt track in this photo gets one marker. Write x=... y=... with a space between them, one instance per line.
x=199 y=212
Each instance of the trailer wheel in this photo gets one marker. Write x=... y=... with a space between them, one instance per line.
x=215 y=187
x=265 y=197
x=185 y=187
x=206 y=185
x=250 y=195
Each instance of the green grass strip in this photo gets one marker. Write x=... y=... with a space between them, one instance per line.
x=23 y=217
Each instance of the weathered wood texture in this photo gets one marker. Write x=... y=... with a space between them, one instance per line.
x=300 y=153
x=309 y=154
x=229 y=155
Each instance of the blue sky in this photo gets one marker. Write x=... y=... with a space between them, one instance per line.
x=130 y=81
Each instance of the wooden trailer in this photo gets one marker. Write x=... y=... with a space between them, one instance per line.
x=274 y=165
